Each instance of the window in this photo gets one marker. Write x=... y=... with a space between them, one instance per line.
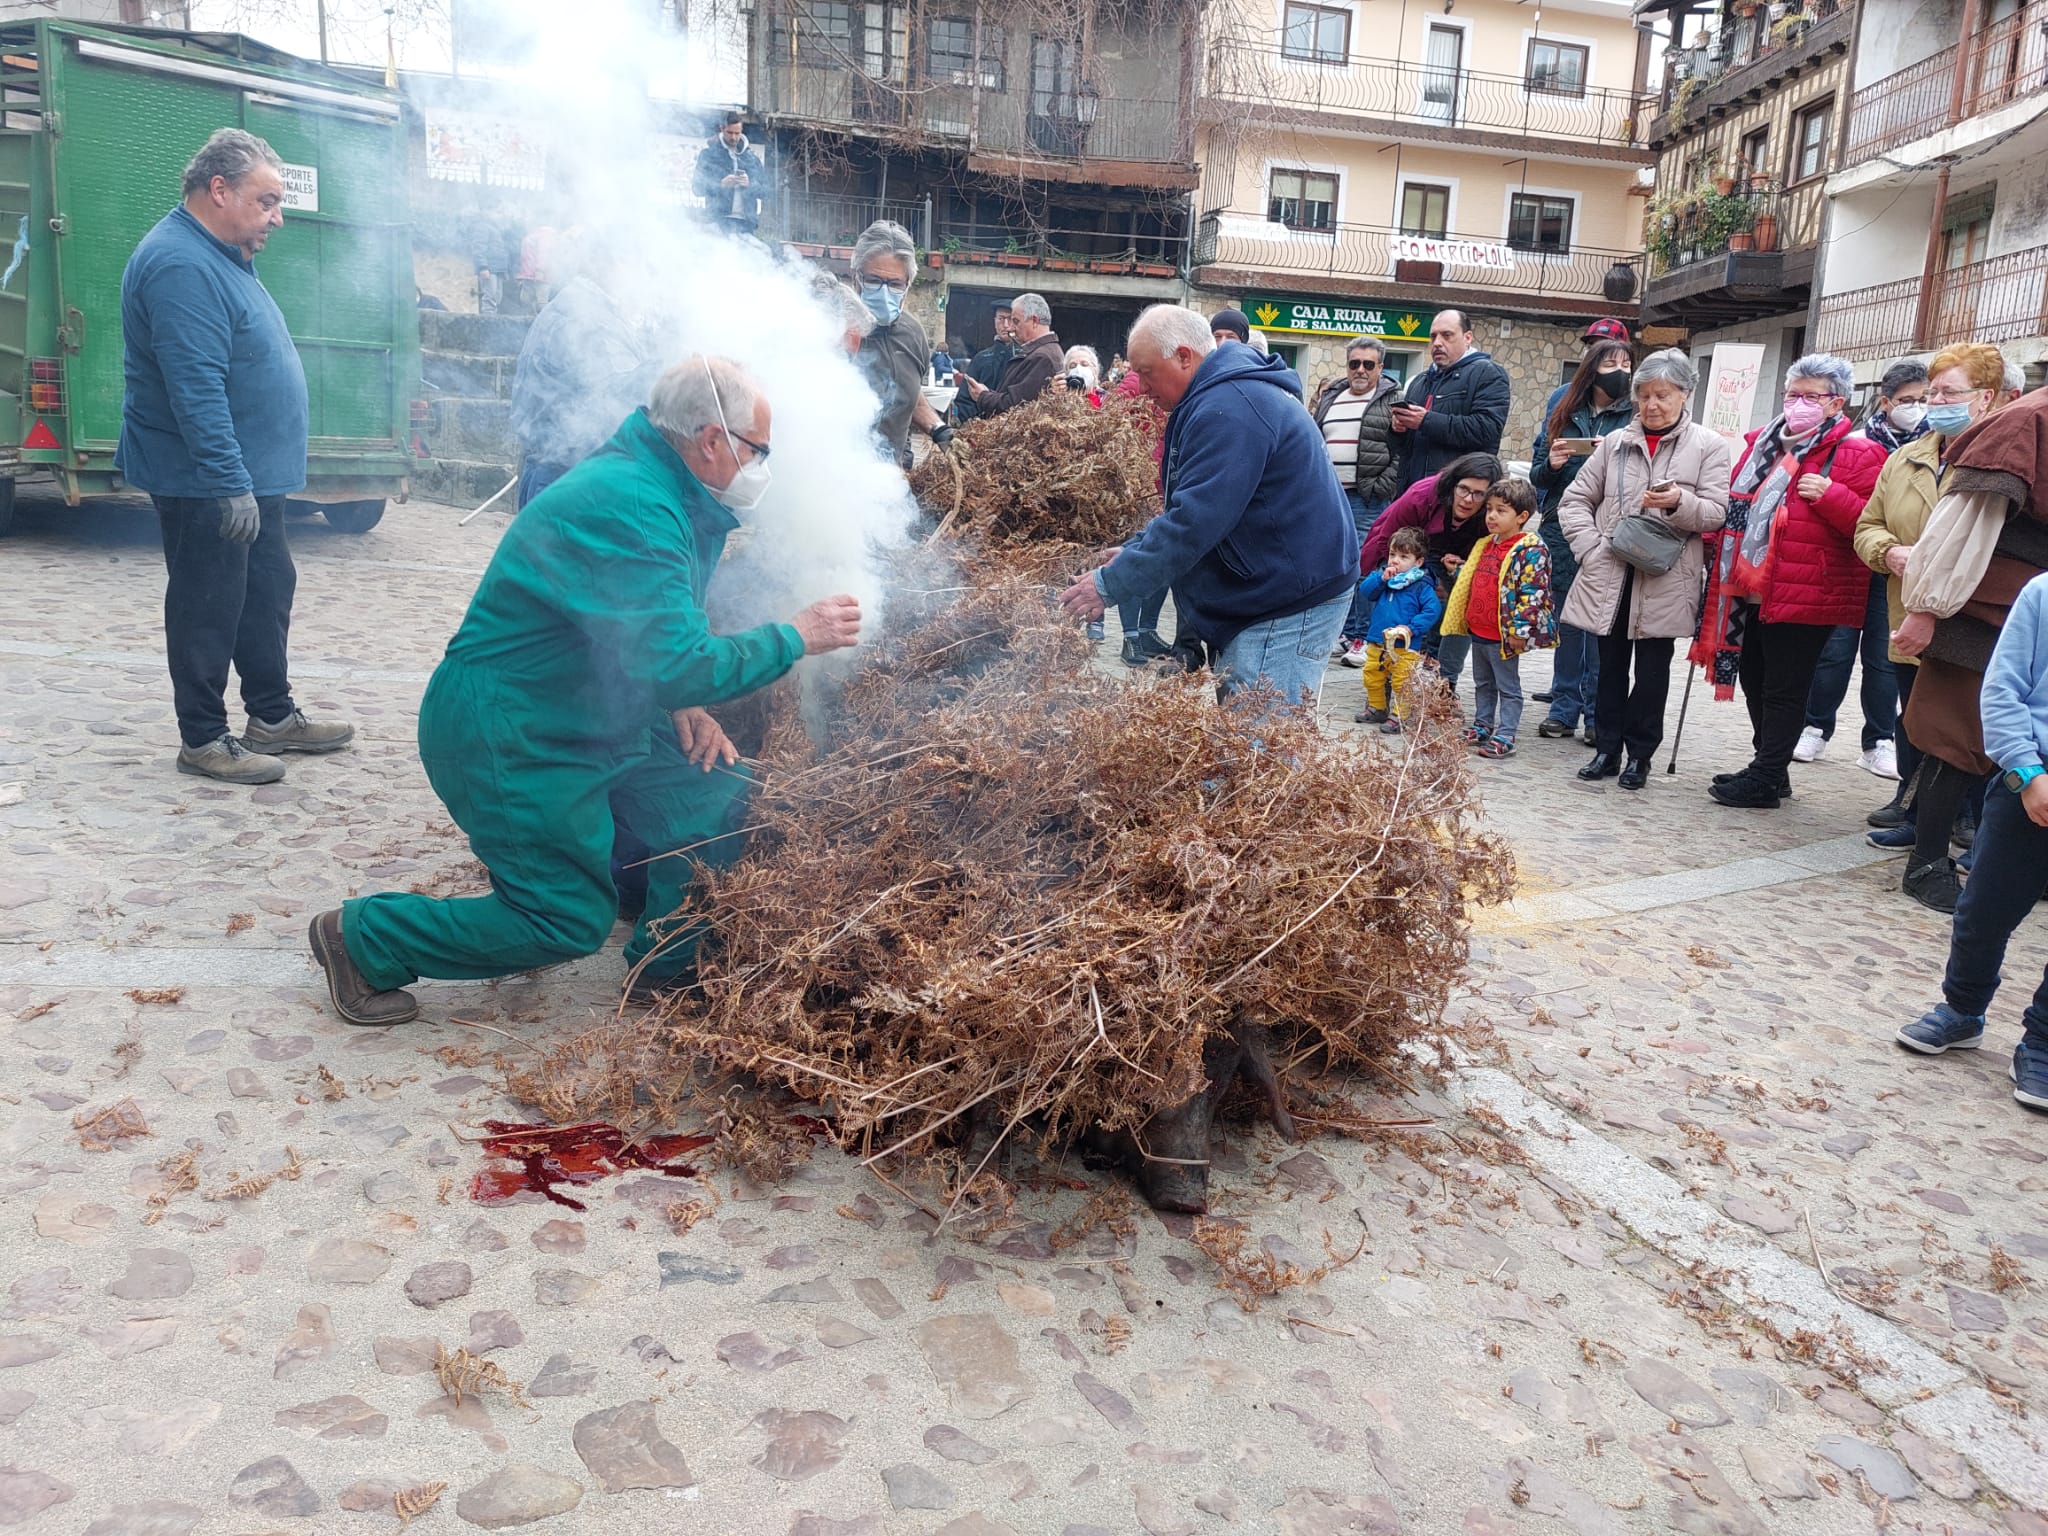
x=1538 y=223
x=949 y=53
x=885 y=41
x=1052 y=76
x=1303 y=200
x=1810 y=142
x=1756 y=152
x=1559 y=68
x=1425 y=210
x=824 y=33
x=1320 y=34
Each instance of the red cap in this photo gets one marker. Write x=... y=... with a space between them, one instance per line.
x=1606 y=330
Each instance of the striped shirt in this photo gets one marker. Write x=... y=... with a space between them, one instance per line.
x=1340 y=434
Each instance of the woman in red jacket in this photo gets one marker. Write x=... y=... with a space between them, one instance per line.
x=1786 y=570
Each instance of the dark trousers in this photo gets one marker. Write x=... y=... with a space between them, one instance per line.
x=2005 y=882
x=1628 y=711
x=1141 y=615
x=536 y=476
x=1944 y=791
x=1879 y=693
x=1363 y=515
x=1776 y=671
x=225 y=602
x=1910 y=757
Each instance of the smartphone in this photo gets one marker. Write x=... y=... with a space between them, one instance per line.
x=1576 y=446
x=1663 y=485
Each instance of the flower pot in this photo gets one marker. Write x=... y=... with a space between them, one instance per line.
x=1766 y=232
x=1760 y=182
x=1740 y=240
x=1724 y=185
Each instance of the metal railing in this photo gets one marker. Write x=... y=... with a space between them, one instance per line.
x=1106 y=252
x=831 y=218
x=1277 y=82
x=1380 y=255
x=1713 y=66
x=2004 y=62
x=1756 y=217
x=2004 y=298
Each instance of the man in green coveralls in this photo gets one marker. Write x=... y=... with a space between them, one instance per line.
x=573 y=695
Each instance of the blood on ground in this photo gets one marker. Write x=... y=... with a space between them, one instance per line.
x=543 y=1158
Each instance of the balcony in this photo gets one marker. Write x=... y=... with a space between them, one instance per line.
x=2006 y=62
x=823 y=224
x=1749 y=55
x=1459 y=106
x=1720 y=258
x=2004 y=298
x=1409 y=268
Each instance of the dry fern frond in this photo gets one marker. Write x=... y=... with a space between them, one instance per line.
x=1251 y=1274
x=100 y=1130
x=163 y=995
x=410 y=1503
x=240 y=922
x=462 y=1374
x=331 y=1087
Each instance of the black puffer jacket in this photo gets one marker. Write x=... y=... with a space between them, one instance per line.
x=1468 y=411
x=1379 y=448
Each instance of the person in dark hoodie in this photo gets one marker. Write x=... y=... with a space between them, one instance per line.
x=1458 y=405
x=732 y=179
x=1255 y=538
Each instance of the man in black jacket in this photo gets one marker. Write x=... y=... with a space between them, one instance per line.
x=1458 y=405
x=989 y=362
x=732 y=179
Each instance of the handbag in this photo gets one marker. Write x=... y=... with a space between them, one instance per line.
x=1650 y=544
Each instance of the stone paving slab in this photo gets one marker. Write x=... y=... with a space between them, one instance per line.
x=1507 y=1354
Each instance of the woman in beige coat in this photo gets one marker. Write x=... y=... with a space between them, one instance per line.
x=1660 y=463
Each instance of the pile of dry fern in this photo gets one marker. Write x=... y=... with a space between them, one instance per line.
x=1013 y=892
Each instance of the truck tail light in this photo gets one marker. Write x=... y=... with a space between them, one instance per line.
x=46 y=386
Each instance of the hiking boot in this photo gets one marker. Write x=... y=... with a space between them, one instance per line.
x=1746 y=792
x=2030 y=1074
x=1941 y=1029
x=295 y=733
x=230 y=762
x=350 y=991
x=1934 y=885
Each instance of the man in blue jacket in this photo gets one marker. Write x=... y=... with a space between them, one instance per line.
x=1255 y=538
x=1457 y=405
x=213 y=427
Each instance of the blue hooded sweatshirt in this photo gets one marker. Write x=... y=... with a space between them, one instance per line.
x=1255 y=525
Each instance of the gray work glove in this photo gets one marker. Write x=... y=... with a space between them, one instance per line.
x=240 y=519
x=942 y=436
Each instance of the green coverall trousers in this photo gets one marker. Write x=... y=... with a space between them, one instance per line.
x=542 y=825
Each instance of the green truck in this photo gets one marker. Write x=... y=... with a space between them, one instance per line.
x=96 y=125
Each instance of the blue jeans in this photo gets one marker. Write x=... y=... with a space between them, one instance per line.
x=1574 y=676
x=1141 y=616
x=2005 y=882
x=1290 y=653
x=1363 y=515
x=1496 y=690
x=1451 y=651
x=1879 y=693
x=535 y=477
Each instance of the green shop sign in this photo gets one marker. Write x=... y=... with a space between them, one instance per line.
x=1328 y=317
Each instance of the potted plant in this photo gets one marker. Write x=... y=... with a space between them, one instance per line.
x=1723 y=174
x=1765 y=231
x=1739 y=240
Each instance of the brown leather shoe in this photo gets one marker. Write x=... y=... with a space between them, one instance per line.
x=352 y=995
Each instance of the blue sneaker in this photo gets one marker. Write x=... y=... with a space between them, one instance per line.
x=1892 y=839
x=2030 y=1074
x=1944 y=1029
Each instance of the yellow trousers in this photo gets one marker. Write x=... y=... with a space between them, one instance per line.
x=1387 y=667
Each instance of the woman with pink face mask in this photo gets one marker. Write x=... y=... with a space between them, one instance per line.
x=1786 y=571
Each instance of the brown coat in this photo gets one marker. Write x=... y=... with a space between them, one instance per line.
x=1611 y=486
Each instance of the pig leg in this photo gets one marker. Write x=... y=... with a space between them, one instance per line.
x=1257 y=1068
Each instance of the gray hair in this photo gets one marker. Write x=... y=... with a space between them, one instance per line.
x=1079 y=356
x=2015 y=378
x=1030 y=306
x=1258 y=342
x=682 y=403
x=1370 y=344
x=1838 y=373
x=231 y=154
x=1169 y=326
x=1670 y=366
x=885 y=237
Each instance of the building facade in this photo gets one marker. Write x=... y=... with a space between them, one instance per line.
x=1938 y=214
x=1367 y=162
x=1027 y=144
x=1748 y=129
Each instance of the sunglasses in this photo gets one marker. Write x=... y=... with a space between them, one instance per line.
x=1361 y=367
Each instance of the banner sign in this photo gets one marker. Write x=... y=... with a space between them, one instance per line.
x=483 y=150
x=1453 y=253
x=1333 y=317
x=302 y=188
x=1732 y=379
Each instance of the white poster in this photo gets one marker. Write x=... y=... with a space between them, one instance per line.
x=1732 y=379
x=484 y=150
x=1453 y=253
x=302 y=188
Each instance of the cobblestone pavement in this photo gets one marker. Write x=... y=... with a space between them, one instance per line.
x=1588 y=1299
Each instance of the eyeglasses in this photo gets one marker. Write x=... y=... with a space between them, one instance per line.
x=1941 y=396
x=1356 y=366
x=760 y=449
x=894 y=284
x=1826 y=394
x=1469 y=493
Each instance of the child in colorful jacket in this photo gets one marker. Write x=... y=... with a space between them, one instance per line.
x=1403 y=608
x=1502 y=600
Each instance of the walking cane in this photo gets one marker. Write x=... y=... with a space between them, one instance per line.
x=1678 y=735
x=473 y=516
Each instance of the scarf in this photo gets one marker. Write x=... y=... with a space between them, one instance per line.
x=1407 y=578
x=1879 y=430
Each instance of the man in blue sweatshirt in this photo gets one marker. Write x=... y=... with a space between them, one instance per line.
x=213 y=427
x=1255 y=538
x=2011 y=865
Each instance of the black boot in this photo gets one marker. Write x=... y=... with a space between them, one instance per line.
x=1601 y=765
x=1934 y=886
x=1636 y=774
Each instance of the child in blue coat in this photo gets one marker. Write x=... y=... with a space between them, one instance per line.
x=1405 y=609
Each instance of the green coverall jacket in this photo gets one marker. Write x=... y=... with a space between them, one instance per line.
x=548 y=719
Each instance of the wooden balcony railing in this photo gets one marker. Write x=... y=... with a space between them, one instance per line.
x=2005 y=62
x=1273 y=80
x=2004 y=298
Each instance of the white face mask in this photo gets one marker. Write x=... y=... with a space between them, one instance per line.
x=1907 y=418
x=750 y=484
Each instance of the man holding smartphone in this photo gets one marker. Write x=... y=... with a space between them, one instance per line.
x=1458 y=405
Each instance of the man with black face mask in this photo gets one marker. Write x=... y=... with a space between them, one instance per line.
x=895 y=356
x=572 y=702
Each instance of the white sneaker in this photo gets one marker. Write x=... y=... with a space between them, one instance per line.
x=1811 y=745
x=1354 y=654
x=1882 y=760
